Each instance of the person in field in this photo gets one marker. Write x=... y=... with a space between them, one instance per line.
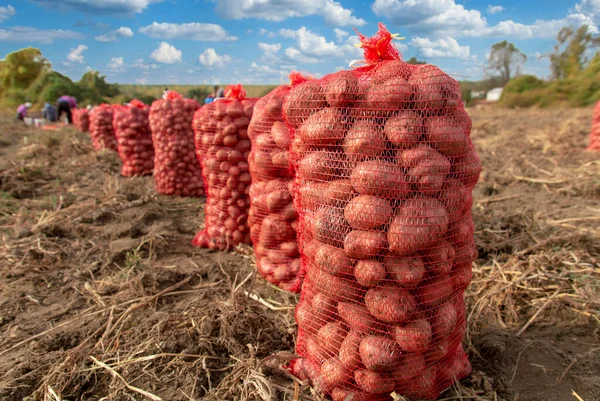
x=49 y=112
x=22 y=111
x=65 y=104
x=209 y=98
x=219 y=92
x=165 y=93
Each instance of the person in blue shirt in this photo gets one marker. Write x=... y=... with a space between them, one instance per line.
x=209 y=98
x=49 y=112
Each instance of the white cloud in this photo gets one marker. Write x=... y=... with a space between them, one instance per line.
x=495 y=9
x=210 y=58
x=442 y=18
x=88 y=68
x=76 y=54
x=110 y=7
x=264 y=69
x=141 y=81
x=122 y=32
x=190 y=31
x=313 y=48
x=269 y=48
x=264 y=32
x=340 y=35
x=141 y=65
x=30 y=34
x=7 y=12
x=280 y=10
x=166 y=54
x=441 y=48
x=116 y=63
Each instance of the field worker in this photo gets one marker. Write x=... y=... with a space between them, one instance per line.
x=209 y=98
x=22 y=111
x=219 y=92
x=65 y=104
x=165 y=92
x=89 y=107
x=49 y=112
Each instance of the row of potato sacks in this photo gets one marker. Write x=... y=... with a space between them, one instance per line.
x=384 y=169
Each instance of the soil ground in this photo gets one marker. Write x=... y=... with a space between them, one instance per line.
x=102 y=297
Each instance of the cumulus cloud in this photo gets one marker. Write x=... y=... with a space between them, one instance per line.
x=166 y=54
x=30 y=34
x=269 y=48
x=495 y=9
x=7 y=12
x=441 y=18
x=141 y=65
x=441 y=48
x=122 y=32
x=190 y=31
x=279 y=10
x=106 y=7
x=141 y=81
x=76 y=54
x=115 y=63
x=313 y=48
x=340 y=35
x=210 y=58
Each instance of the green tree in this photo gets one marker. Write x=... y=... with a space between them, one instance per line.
x=20 y=68
x=413 y=60
x=506 y=61
x=93 y=88
x=571 y=52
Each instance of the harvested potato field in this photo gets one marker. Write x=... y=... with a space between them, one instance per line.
x=103 y=297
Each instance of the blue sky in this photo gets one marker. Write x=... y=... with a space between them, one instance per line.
x=260 y=41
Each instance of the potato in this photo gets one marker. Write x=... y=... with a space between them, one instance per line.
x=337 y=288
x=323 y=307
x=366 y=212
x=313 y=195
x=357 y=317
x=369 y=273
x=467 y=168
x=419 y=223
x=407 y=272
x=315 y=351
x=440 y=257
x=380 y=178
x=461 y=277
x=333 y=260
x=384 y=99
x=373 y=382
x=280 y=160
x=330 y=226
x=390 y=304
x=444 y=320
x=447 y=134
x=349 y=351
x=326 y=127
x=404 y=130
x=360 y=244
x=435 y=290
x=306 y=319
x=339 y=192
x=456 y=197
x=302 y=101
x=364 y=140
x=433 y=88
x=379 y=353
x=319 y=166
x=281 y=135
x=330 y=337
x=276 y=200
x=423 y=386
x=341 y=89
x=413 y=336
x=427 y=168
x=437 y=350
x=334 y=373
x=410 y=366
x=460 y=367
x=275 y=230
x=390 y=69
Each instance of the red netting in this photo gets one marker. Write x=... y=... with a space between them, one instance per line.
x=101 y=128
x=222 y=144
x=595 y=134
x=134 y=138
x=81 y=119
x=272 y=218
x=384 y=174
x=176 y=170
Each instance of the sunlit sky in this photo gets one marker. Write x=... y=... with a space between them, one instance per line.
x=260 y=41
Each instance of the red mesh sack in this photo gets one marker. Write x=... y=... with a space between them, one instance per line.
x=81 y=119
x=134 y=138
x=101 y=128
x=272 y=217
x=384 y=174
x=595 y=134
x=221 y=132
x=176 y=170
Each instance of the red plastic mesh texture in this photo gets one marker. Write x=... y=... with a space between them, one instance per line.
x=385 y=170
x=221 y=132
x=81 y=119
x=134 y=138
x=101 y=128
x=272 y=218
x=595 y=134
x=176 y=170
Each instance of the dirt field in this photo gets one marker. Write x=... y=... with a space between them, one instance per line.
x=103 y=298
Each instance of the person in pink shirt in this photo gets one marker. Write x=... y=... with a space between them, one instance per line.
x=22 y=111
x=65 y=104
